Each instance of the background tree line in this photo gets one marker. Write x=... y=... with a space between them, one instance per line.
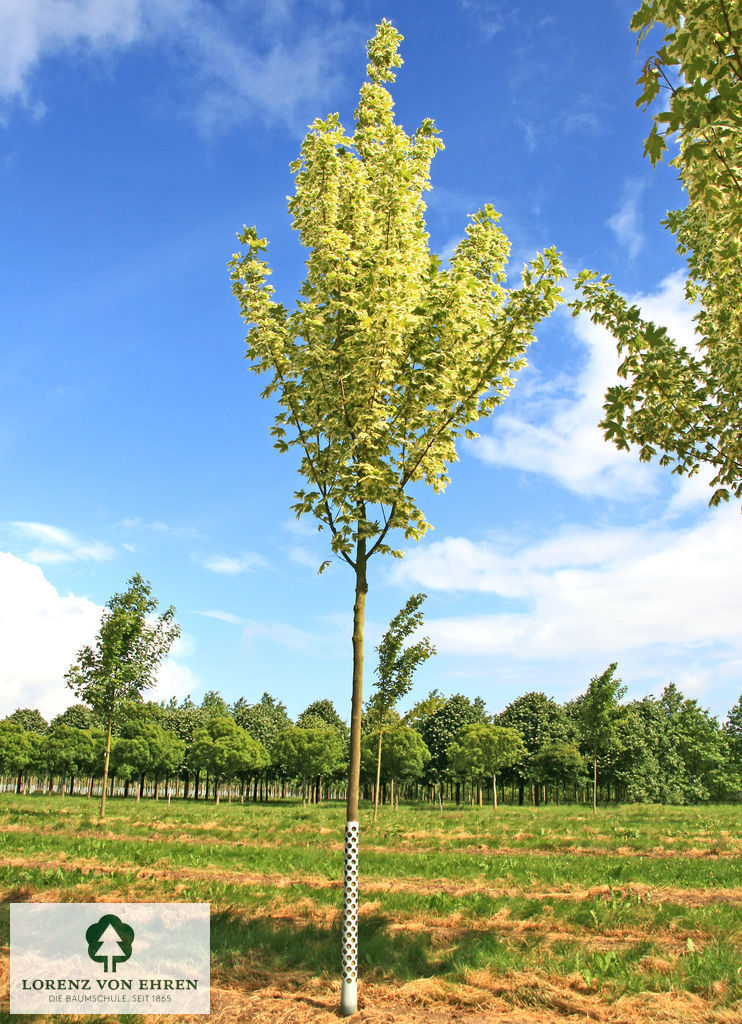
x=594 y=748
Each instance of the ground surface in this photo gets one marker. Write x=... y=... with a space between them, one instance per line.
x=526 y=915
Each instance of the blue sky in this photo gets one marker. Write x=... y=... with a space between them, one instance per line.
x=136 y=138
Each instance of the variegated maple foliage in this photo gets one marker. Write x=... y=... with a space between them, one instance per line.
x=687 y=405
x=388 y=356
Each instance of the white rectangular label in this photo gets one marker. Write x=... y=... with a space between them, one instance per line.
x=109 y=958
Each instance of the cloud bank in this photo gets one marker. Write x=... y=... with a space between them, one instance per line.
x=236 y=61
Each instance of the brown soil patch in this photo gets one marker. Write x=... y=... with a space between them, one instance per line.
x=513 y=998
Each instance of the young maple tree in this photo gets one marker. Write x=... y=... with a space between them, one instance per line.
x=388 y=356
x=396 y=667
x=128 y=648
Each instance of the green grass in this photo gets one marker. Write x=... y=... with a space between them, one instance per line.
x=631 y=900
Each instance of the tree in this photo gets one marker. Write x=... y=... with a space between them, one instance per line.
x=226 y=751
x=263 y=721
x=71 y=751
x=482 y=749
x=76 y=715
x=733 y=730
x=214 y=705
x=16 y=750
x=557 y=762
x=184 y=719
x=538 y=720
x=404 y=757
x=322 y=712
x=146 y=747
x=688 y=405
x=598 y=712
x=310 y=751
x=396 y=667
x=388 y=356
x=421 y=712
x=440 y=729
x=31 y=719
x=128 y=648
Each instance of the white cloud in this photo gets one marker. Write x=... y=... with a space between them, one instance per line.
x=588 y=591
x=626 y=222
x=233 y=565
x=236 y=61
x=41 y=632
x=55 y=545
x=557 y=432
x=233 y=620
x=33 y=29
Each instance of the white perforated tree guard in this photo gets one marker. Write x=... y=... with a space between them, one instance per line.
x=349 y=992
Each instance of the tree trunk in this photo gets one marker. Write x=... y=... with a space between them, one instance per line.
x=595 y=785
x=105 y=772
x=378 y=776
x=494 y=791
x=349 y=989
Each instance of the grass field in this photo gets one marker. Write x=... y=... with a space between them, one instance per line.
x=550 y=914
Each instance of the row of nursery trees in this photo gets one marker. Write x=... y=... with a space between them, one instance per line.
x=666 y=750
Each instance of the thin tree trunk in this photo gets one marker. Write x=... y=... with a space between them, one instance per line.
x=595 y=785
x=494 y=791
x=349 y=988
x=105 y=772
x=378 y=777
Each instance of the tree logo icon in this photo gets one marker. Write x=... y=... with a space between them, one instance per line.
x=109 y=941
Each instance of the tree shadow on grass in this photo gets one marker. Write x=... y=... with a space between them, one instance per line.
x=264 y=945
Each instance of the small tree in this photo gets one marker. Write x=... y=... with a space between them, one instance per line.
x=128 y=648
x=557 y=762
x=396 y=667
x=482 y=750
x=310 y=751
x=227 y=751
x=440 y=729
x=71 y=751
x=404 y=757
x=598 y=711
x=16 y=750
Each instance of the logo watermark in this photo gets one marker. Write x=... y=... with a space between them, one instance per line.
x=109 y=957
